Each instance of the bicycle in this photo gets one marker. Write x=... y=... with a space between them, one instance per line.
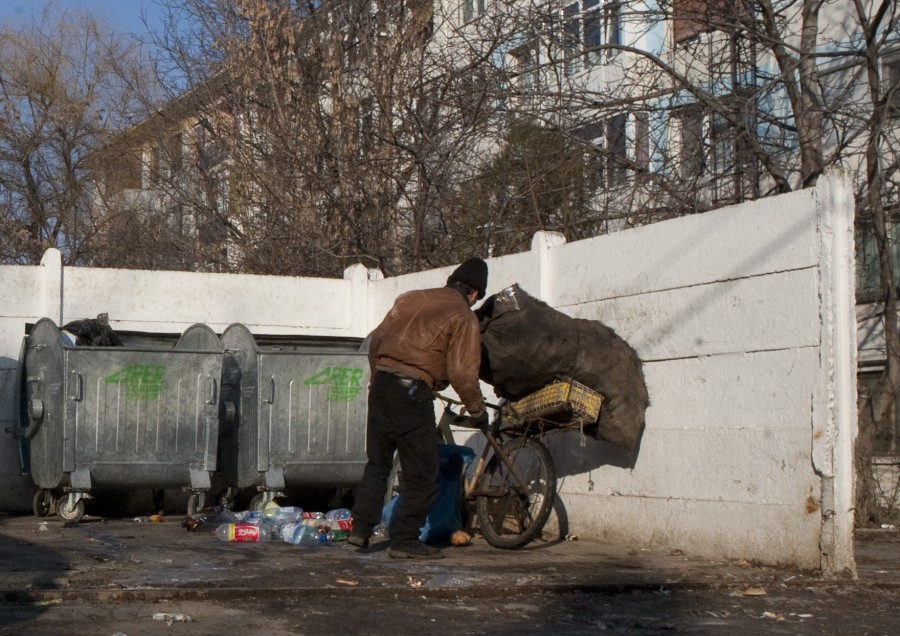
x=513 y=484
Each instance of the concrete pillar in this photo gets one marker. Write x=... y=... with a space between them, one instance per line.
x=52 y=292
x=541 y=244
x=834 y=411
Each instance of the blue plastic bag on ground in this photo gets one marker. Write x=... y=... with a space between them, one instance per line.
x=446 y=513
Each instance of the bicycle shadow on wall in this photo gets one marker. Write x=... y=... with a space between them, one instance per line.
x=575 y=453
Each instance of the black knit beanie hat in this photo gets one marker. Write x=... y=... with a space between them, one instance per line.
x=474 y=273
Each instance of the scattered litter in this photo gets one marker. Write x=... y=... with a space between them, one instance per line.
x=138 y=520
x=413 y=582
x=172 y=618
x=888 y=526
x=676 y=552
x=571 y=537
x=43 y=527
x=49 y=601
x=346 y=581
x=775 y=615
x=754 y=591
x=156 y=518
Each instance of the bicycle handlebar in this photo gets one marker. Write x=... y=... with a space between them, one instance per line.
x=450 y=400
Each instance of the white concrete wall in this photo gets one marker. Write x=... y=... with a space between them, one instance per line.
x=744 y=318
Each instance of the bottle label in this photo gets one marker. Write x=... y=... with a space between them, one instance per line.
x=338 y=535
x=244 y=532
x=341 y=524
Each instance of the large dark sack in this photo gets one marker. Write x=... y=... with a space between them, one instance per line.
x=526 y=344
x=93 y=332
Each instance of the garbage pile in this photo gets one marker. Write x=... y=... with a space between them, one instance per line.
x=291 y=524
x=93 y=332
x=526 y=345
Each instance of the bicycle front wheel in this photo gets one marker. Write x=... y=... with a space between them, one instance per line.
x=513 y=506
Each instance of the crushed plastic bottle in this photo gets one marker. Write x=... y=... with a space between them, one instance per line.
x=338 y=513
x=243 y=532
x=313 y=521
x=287 y=514
x=380 y=532
x=208 y=517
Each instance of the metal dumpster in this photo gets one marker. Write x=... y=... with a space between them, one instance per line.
x=301 y=415
x=119 y=417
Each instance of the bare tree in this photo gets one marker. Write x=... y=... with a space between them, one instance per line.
x=61 y=95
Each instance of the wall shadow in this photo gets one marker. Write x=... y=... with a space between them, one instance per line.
x=27 y=568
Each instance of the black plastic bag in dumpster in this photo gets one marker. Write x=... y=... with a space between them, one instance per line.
x=93 y=332
x=526 y=344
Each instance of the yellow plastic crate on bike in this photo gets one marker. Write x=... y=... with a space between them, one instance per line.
x=567 y=402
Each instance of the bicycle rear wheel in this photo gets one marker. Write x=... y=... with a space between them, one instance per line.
x=512 y=515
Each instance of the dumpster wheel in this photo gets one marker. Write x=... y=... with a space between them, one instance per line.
x=42 y=504
x=196 y=503
x=70 y=512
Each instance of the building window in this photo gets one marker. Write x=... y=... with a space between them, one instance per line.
x=523 y=69
x=617 y=151
x=691 y=141
x=473 y=95
x=608 y=152
x=472 y=9
x=210 y=151
x=868 y=267
x=174 y=153
x=586 y=27
x=154 y=175
x=890 y=77
x=642 y=140
x=572 y=38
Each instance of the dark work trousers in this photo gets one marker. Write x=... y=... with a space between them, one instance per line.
x=401 y=418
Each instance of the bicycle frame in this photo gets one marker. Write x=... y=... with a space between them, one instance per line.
x=493 y=444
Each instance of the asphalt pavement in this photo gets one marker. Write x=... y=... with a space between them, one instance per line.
x=135 y=576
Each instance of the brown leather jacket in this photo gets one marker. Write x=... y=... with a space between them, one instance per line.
x=432 y=335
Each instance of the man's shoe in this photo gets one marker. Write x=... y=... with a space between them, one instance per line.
x=359 y=539
x=414 y=550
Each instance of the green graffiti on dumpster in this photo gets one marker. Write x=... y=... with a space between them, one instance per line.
x=141 y=381
x=343 y=383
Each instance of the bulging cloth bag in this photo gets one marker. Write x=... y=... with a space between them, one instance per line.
x=446 y=514
x=526 y=345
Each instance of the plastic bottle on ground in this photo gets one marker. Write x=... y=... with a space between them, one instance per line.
x=380 y=532
x=300 y=534
x=338 y=513
x=336 y=534
x=243 y=532
x=287 y=514
x=209 y=517
x=271 y=509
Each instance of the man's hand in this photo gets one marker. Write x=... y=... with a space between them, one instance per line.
x=481 y=421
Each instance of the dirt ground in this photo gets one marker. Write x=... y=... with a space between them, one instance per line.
x=133 y=577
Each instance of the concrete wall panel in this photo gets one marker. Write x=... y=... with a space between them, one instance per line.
x=759 y=313
x=738 y=315
x=748 y=240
